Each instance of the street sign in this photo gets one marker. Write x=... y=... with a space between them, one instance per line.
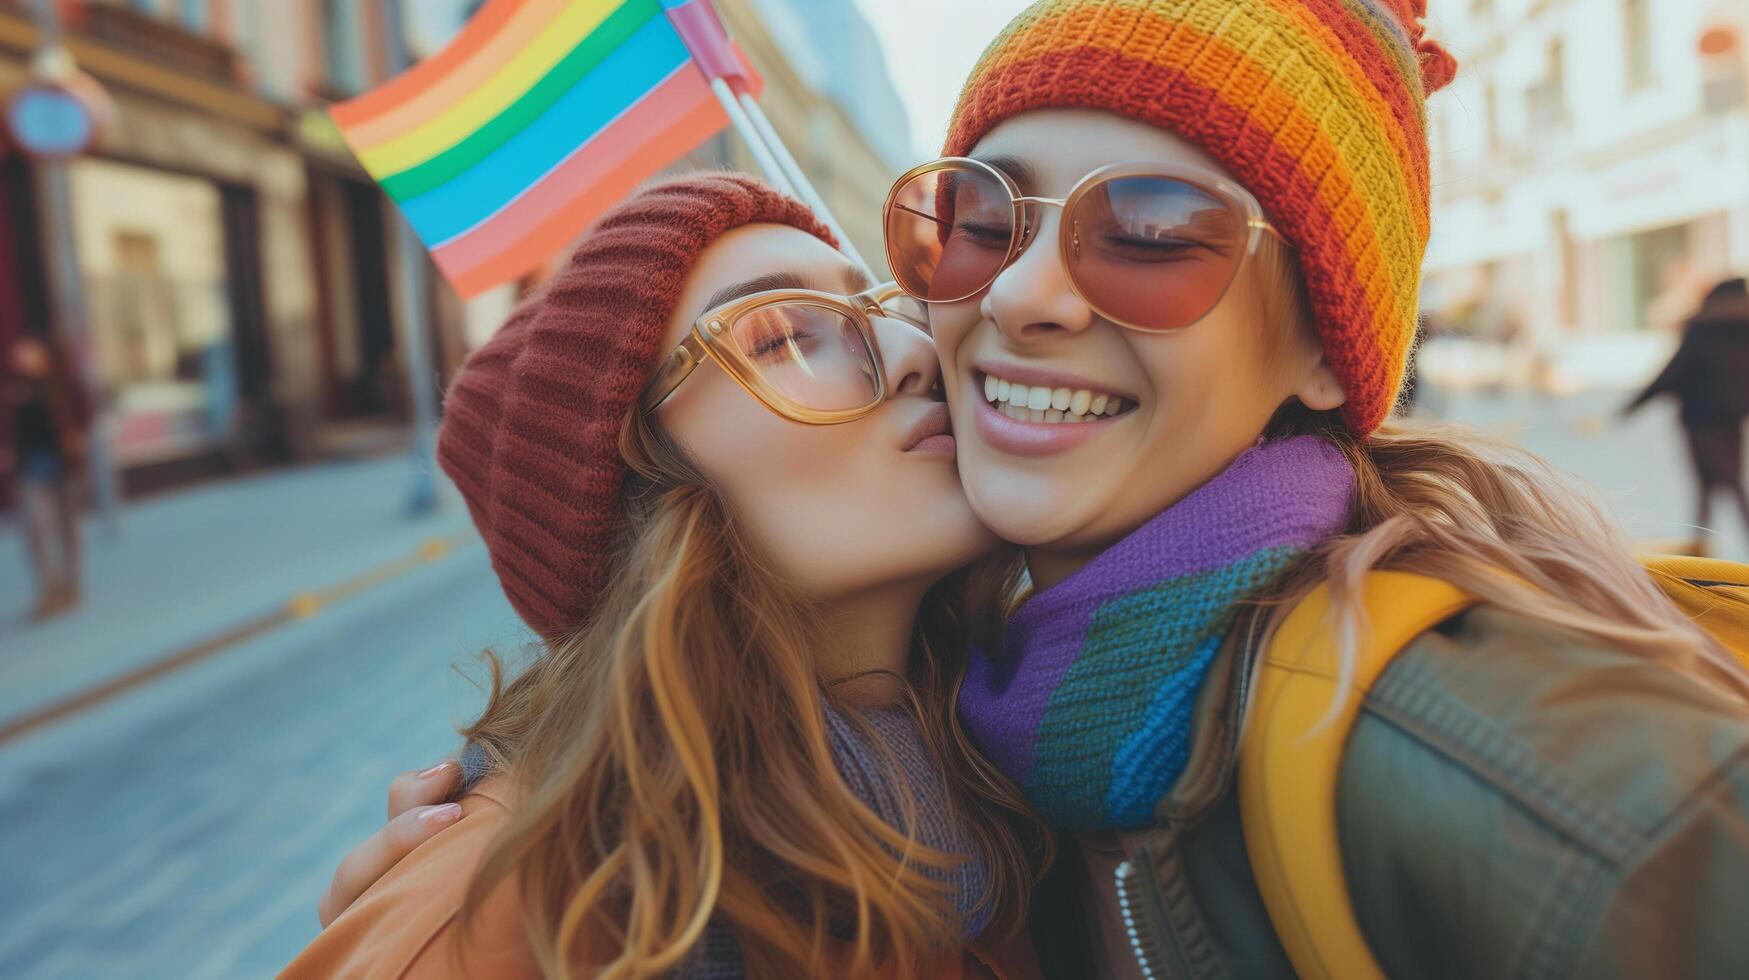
x=51 y=120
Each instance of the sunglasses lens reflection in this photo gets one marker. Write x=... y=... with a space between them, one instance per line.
x=948 y=233
x=1154 y=253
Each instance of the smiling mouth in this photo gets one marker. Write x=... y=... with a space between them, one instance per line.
x=1037 y=403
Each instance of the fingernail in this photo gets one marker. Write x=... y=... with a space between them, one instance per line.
x=434 y=770
x=441 y=815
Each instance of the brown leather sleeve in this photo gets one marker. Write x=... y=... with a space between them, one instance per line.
x=407 y=926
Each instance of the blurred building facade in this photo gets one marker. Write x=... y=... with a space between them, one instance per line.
x=235 y=261
x=239 y=268
x=1591 y=172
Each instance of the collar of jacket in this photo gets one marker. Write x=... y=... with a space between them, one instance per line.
x=1162 y=919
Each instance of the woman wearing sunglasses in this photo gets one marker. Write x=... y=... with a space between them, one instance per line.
x=714 y=472
x=1172 y=261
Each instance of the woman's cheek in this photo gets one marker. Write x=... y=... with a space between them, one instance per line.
x=950 y=323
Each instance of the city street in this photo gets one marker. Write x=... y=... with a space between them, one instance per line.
x=185 y=827
x=1638 y=465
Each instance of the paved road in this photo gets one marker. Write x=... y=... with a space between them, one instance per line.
x=187 y=829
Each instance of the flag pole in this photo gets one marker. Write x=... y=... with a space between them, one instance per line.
x=799 y=178
x=412 y=282
x=705 y=37
x=774 y=171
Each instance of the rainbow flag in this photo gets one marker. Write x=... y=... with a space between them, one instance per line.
x=540 y=115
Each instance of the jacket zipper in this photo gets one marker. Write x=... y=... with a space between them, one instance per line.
x=1141 y=939
x=1143 y=942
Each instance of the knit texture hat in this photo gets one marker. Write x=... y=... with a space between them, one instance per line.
x=1316 y=106
x=531 y=423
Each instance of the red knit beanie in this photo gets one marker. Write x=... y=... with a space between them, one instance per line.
x=531 y=423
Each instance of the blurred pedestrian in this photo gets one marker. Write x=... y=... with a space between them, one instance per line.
x=49 y=414
x=1709 y=375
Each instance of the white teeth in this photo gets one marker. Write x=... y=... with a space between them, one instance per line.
x=1037 y=403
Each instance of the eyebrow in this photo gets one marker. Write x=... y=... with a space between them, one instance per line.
x=1018 y=170
x=757 y=284
x=854 y=281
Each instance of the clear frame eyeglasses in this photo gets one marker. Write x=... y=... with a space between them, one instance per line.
x=809 y=356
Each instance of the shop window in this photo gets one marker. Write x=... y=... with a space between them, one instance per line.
x=1548 y=98
x=1637 y=41
x=1721 y=68
x=1662 y=277
x=1491 y=119
x=152 y=258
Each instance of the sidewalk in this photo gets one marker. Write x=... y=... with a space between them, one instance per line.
x=189 y=566
x=1638 y=465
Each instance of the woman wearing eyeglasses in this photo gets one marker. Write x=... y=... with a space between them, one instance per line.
x=1172 y=260
x=715 y=474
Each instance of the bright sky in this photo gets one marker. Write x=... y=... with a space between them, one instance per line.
x=931 y=46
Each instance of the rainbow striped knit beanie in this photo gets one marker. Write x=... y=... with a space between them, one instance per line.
x=1318 y=107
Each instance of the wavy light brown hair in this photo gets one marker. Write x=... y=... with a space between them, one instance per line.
x=1456 y=504
x=676 y=766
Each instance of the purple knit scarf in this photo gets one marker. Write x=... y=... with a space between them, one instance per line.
x=1088 y=704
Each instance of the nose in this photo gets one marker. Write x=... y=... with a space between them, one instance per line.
x=1031 y=299
x=908 y=354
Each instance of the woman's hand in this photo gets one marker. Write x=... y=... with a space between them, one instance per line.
x=416 y=814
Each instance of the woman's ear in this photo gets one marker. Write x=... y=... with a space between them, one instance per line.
x=1319 y=388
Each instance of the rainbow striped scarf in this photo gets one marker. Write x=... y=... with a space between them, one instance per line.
x=1088 y=705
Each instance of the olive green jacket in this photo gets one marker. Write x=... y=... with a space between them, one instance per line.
x=1513 y=803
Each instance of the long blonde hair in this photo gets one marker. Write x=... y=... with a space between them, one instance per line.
x=1459 y=505
x=677 y=768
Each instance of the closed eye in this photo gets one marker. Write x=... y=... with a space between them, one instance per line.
x=989 y=234
x=773 y=344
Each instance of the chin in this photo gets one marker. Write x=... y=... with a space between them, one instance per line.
x=1024 y=518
